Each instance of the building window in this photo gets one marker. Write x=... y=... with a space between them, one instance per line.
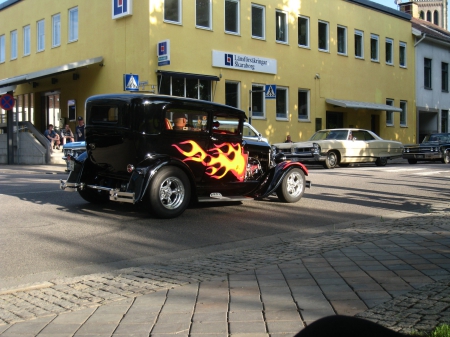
x=444 y=79
x=422 y=15
x=26 y=40
x=359 y=44
x=41 y=35
x=427 y=73
x=185 y=87
x=232 y=16
x=403 y=106
x=13 y=45
x=402 y=54
x=258 y=108
x=203 y=14
x=232 y=94
x=428 y=16
x=389 y=51
x=282 y=103
x=436 y=18
x=374 y=49
x=303 y=31
x=2 y=48
x=444 y=121
x=172 y=11
x=56 y=30
x=73 y=24
x=323 y=36
x=282 y=27
x=303 y=105
x=389 y=114
x=258 y=22
x=342 y=40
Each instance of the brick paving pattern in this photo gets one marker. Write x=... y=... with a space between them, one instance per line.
x=395 y=273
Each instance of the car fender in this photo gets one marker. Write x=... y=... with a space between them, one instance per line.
x=275 y=177
x=143 y=174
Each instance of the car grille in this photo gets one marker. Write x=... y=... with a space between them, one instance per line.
x=421 y=149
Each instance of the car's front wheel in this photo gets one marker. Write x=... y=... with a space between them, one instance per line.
x=381 y=161
x=292 y=187
x=331 y=161
x=447 y=157
x=170 y=192
x=412 y=161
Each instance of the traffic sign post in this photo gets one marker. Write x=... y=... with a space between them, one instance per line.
x=7 y=102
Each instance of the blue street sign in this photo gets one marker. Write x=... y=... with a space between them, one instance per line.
x=7 y=102
x=271 y=91
x=130 y=82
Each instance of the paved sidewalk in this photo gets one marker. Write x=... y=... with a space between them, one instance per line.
x=395 y=272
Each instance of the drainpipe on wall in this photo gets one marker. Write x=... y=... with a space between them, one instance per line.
x=421 y=39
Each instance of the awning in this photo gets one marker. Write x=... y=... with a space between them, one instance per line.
x=25 y=78
x=362 y=105
x=7 y=89
x=188 y=75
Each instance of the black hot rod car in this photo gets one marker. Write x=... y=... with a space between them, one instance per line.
x=167 y=151
x=434 y=147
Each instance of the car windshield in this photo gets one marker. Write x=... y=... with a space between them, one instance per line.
x=330 y=134
x=442 y=138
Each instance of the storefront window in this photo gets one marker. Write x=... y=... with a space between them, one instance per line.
x=185 y=87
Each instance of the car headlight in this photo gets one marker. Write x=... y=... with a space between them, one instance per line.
x=316 y=148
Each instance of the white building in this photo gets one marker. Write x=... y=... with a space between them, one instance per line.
x=432 y=53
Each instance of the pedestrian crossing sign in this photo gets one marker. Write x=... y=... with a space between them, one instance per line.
x=130 y=82
x=271 y=91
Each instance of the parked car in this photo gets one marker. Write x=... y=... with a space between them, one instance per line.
x=166 y=151
x=434 y=147
x=333 y=147
x=73 y=149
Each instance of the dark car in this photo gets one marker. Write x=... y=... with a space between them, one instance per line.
x=73 y=149
x=434 y=147
x=166 y=151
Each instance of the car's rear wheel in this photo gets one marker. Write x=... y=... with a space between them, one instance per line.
x=292 y=187
x=94 y=196
x=381 y=161
x=412 y=161
x=331 y=161
x=170 y=192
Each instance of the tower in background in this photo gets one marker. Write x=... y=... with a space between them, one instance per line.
x=434 y=11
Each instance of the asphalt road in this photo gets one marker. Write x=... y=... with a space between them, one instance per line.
x=46 y=233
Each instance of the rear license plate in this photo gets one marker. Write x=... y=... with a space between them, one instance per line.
x=71 y=165
x=419 y=156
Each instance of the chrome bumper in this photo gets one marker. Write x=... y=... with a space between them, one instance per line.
x=114 y=193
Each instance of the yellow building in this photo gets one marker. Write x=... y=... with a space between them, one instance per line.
x=333 y=63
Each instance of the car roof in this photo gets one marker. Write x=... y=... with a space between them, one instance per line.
x=132 y=97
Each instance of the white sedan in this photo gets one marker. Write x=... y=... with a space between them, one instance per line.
x=333 y=147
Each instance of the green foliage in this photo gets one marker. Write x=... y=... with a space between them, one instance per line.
x=440 y=331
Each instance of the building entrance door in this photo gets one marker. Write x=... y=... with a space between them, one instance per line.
x=53 y=111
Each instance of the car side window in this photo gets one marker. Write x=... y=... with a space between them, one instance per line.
x=223 y=124
x=180 y=119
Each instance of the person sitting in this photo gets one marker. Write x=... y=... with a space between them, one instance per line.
x=179 y=121
x=288 y=139
x=53 y=137
x=67 y=135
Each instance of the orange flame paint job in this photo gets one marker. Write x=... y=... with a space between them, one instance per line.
x=224 y=158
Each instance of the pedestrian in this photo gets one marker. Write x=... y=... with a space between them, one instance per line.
x=288 y=139
x=79 y=130
x=53 y=137
x=67 y=135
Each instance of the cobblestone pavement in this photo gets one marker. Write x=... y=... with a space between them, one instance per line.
x=394 y=272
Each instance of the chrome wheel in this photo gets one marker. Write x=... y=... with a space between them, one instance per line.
x=292 y=186
x=171 y=193
x=331 y=161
